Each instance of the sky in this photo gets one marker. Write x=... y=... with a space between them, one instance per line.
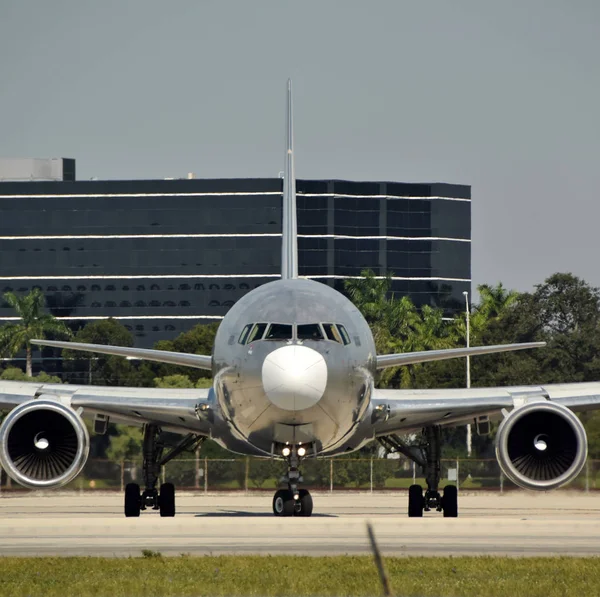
x=504 y=96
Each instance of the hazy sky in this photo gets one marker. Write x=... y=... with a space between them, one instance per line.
x=504 y=96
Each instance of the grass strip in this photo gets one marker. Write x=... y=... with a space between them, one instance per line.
x=155 y=575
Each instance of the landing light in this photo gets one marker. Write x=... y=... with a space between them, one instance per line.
x=286 y=451
x=301 y=451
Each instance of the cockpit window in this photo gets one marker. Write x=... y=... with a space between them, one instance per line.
x=279 y=331
x=257 y=332
x=344 y=333
x=332 y=333
x=310 y=331
x=244 y=335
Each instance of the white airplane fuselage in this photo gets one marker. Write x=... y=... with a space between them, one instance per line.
x=294 y=389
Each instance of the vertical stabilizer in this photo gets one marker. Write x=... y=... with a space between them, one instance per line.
x=289 y=247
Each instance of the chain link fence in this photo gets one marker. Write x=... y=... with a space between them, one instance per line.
x=341 y=474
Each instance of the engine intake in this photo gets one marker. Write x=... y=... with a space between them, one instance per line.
x=541 y=446
x=43 y=444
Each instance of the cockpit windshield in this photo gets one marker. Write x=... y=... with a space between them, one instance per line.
x=257 y=332
x=285 y=331
x=310 y=331
x=279 y=331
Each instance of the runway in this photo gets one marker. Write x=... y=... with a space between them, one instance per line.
x=92 y=524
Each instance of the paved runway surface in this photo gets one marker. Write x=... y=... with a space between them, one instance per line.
x=515 y=524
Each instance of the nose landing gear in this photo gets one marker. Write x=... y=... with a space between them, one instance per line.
x=292 y=501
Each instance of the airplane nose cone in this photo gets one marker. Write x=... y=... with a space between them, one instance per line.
x=294 y=377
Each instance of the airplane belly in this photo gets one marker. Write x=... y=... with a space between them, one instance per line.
x=252 y=412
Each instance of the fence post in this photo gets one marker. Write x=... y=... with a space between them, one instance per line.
x=371 y=476
x=331 y=475
x=247 y=474
x=457 y=481
x=122 y=476
x=587 y=476
x=206 y=475
x=197 y=476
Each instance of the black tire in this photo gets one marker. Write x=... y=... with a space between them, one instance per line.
x=415 y=501
x=450 y=501
x=306 y=503
x=166 y=499
x=132 y=500
x=283 y=503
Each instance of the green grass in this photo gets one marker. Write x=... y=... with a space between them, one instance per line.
x=152 y=574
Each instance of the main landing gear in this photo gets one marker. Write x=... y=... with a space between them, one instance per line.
x=427 y=455
x=292 y=501
x=153 y=448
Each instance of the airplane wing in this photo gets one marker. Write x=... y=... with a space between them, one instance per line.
x=408 y=410
x=180 y=410
x=425 y=356
x=198 y=361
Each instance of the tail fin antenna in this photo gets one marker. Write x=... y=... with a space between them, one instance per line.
x=289 y=248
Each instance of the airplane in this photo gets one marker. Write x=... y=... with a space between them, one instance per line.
x=294 y=367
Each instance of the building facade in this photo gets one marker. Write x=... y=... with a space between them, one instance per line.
x=163 y=255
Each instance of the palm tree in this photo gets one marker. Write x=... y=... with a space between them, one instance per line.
x=494 y=303
x=35 y=323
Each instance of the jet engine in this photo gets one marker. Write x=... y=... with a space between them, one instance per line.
x=43 y=444
x=541 y=445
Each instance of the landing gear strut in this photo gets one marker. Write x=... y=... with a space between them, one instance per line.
x=427 y=455
x=292 y=501
x=153 y=448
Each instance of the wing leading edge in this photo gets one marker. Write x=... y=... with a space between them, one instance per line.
x=198 y=361
x=425 y=356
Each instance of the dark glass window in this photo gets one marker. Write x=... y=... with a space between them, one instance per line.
x=310 y=331
x=244 y=334
x=279 y=331
x=344 y=334
x=332 y=333
x=257 y=332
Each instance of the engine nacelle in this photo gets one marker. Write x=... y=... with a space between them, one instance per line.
x=541 y=445
x=43 y=444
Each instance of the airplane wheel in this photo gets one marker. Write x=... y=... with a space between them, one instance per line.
x=415 y=501
x=306 y=503
x=283 y=503
x=450 y=501
x=166 y=499
x=132 y=500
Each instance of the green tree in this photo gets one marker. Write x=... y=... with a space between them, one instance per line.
x=126 y=445
x=16 y=374
x=34 y=324
x=173 y=381
x=103 y=369
x=199 y=340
